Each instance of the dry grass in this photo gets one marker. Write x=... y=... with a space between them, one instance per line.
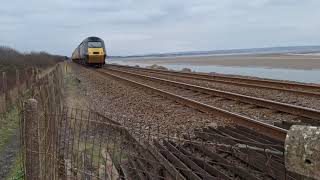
x=9 y=56
x=11 y=59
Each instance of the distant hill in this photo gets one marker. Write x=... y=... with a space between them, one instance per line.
x=270 y=50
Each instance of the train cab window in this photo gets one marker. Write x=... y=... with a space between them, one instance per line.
x=93 y=44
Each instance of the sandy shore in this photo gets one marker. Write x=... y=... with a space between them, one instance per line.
x=270 y=61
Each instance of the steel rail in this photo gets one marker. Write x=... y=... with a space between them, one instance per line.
x=288 y=108
x=266 y=129
x=251 y=83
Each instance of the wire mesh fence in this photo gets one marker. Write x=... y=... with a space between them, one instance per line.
x=79 y=144
x=37 y=126
x=13 y=86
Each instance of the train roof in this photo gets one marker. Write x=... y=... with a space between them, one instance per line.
x=92 y=38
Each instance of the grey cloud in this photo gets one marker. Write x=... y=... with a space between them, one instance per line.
x=144 y=26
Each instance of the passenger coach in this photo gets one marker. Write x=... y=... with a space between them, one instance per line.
x=91 y=51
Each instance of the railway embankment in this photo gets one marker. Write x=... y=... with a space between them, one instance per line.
x=118 y=122
x=181 y=136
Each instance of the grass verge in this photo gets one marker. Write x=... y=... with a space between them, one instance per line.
x=16 y=172
x=9 y=126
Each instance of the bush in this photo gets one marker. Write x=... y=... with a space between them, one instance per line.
x=11 y=57
x=11 y=60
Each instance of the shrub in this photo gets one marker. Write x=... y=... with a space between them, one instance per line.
x=11 y=60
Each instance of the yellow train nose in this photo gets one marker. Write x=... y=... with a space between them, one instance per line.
x=96 y=55
x=95 y=51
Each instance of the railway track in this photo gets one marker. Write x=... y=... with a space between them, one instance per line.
x=249 y=149
x=310 y=90
x=275 y=113
x=283 y=107
x=264 y=128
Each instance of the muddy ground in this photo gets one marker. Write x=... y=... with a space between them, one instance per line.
x=305 y=62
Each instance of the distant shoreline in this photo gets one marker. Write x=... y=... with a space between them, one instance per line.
x=305 y=50
x=285 y=61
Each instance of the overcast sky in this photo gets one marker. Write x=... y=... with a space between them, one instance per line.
x=147 y=26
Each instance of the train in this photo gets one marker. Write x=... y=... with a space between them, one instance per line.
x=91 y=51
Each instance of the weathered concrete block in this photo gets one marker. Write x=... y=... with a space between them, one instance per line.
x=302 y=151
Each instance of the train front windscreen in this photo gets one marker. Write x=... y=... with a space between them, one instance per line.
x=94 y=44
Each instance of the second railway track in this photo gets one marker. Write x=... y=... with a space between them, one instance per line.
x=310 y=90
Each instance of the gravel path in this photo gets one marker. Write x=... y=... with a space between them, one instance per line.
x=137 y=108
x=275 y=95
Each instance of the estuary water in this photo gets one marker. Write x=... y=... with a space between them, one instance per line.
x=306 y=76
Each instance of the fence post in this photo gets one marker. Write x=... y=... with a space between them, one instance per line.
x=27 y=78
x=33 y=75
x=5 y=89
x=18 y=81
x=31 y=139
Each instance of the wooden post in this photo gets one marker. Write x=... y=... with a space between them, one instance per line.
x=5 y=90
x=33 y=75
x=66 y=64
x=31 y=139
x=18 y=81
x=37 y=74
x=25 y=78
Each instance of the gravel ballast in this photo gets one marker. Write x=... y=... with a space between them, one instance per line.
x=275 y=95
x=139 y=109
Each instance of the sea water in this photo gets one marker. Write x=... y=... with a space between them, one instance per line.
x=307 y=76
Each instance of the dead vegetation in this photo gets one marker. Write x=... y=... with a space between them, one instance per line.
x=9 y=56
x=12 y=60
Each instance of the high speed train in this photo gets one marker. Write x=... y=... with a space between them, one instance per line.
x=91 y=51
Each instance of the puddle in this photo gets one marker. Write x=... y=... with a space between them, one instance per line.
x=307 y=76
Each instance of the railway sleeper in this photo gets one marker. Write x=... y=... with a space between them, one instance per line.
x=250 y=136
x=227 y=142
x=255 y=134
x=204 y=165
x=185 y=159
x=237 y=171
x=250 y=141
x=260 y=139
x=173 y=172
x=217 y=138
x=126 y=171
x=180 y=166
x=149 y=173
x=134 y=167
x=263 y=163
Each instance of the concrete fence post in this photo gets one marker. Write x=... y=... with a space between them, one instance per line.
x=302 y=151
x=31 y=139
